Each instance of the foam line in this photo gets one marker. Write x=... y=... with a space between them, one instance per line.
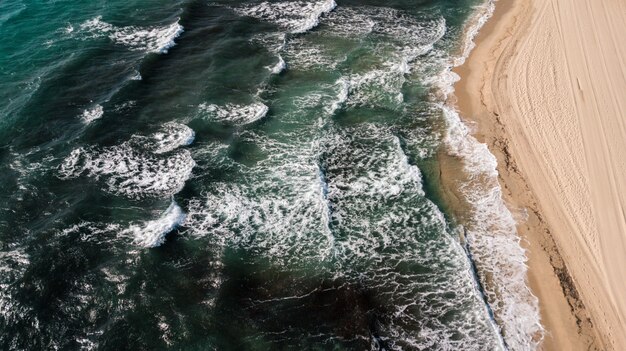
x=234 y=113
x=491 y=233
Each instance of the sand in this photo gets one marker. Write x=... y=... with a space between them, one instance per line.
x=546 y=89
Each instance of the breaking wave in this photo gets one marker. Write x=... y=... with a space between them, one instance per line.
x=491 y=233
x=141 y=167
x=91 y=114
x=233 y=113
x=156 y=39
x=295 y=17
x=152 y=233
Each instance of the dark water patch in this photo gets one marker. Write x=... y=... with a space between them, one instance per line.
x=246 y=152
x=54 y=112
x=281 y=306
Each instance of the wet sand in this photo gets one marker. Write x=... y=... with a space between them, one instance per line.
x=545 y=89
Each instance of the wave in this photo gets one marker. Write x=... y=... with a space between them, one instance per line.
x=171 y=136
x=27 y=168
x=279 y=66
x=152 y=233
x=493 y=240
x=274 y=43
x=91 y=114
x=341 y=97
x=350 y=198
x=348 y=22
x=233 y=113
x=295 y=17
x=278 y=205
x=141 y=167
x=395 y=25
x=303 y=55
x=483 y=14
x=491 y=233
x=376 y=87
x=395 y=226
x=325 y=206
x=135 y=76
x=407 y=37
x=155 y=39
x=381 y=85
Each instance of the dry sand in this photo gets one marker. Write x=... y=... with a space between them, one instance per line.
x=546 y=86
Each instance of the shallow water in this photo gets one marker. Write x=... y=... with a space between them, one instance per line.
x=237 y=175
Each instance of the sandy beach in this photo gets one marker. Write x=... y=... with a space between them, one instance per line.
x=545 y=88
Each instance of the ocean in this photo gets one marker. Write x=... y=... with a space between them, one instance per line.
x=236 y=175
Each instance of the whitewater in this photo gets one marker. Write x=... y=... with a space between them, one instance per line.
x=205 y=174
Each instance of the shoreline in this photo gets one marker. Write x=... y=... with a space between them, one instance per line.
x=571 y=313
x=471 y=188
x=557 y=316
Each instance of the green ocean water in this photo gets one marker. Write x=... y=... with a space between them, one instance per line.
x=196 y=175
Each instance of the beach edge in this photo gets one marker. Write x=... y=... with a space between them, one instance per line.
x=563 y=314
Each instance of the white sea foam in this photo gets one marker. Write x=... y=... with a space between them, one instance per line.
x=233 y=113
x=348 y=22
x=304 y=55
x=410 y=30
x=279 y=66
x=482 y=13
x=91 y=232
x=93 y=113
x=379 y=86
x=381 y=178
x=96 y=26
x=152 y=233
x=379 y=173
x=413 y=37
x=351 y=195
x=278 y=206
x=409 y=37
x=25 y=169
x=343 y=86
x=275 y=43
x=296 y=17
x=86 y=344
x=491 y=233
x=171 y=136
x=493 y=240
x=392 y=228
x=359 y=182
x=143 y=166
x=406 y=39
x=157 y=39
x=11 y=259
x=136 y=76
x=124 y=106
x=394 y=24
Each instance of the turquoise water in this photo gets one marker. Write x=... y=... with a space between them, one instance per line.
x=231 y=176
